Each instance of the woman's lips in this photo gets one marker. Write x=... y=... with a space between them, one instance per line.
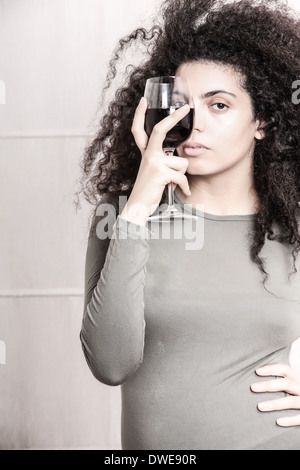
x=194 y=149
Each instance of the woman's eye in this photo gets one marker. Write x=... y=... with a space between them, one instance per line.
x=221 y=106
x=178 y=104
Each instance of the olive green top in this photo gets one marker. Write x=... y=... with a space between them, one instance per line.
x=184 y=326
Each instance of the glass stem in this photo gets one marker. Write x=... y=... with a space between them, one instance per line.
x=170 y=195
x=170 y=152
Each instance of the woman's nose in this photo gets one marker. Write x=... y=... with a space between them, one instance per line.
x=199 y=118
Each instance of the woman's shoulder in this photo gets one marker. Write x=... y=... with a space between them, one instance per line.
x=108 y=207
x=109 y=198
x=113 y=202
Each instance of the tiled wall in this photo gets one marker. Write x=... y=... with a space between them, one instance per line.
x=52 y=65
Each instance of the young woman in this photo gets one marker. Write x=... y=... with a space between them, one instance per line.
x=201 y=339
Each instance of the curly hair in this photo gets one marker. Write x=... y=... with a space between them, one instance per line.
x=258 y=39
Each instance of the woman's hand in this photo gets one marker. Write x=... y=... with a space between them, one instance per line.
x=289 y=382
x=156 y=169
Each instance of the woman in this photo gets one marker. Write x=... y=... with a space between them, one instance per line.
x=200 y=339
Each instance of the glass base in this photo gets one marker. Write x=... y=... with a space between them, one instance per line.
x=171 y=213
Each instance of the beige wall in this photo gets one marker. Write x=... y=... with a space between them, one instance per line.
x=53 y=61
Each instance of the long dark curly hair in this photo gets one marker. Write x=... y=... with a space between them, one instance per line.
x=260 y=40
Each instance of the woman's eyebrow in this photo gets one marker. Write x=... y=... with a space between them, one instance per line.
x=209 y=94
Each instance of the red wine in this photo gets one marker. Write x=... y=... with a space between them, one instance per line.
x=178 y=134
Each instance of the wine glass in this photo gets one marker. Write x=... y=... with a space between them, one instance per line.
x=165 y=95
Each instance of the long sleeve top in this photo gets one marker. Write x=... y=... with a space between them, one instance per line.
x=181 y=323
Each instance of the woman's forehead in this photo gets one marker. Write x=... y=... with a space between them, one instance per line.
x=212 y=75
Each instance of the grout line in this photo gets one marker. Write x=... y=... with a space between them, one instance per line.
x=45 y=135
x=42 y=293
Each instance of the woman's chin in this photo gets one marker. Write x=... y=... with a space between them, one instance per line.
x=199 y=169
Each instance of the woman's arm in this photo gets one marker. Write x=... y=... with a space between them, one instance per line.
x=112 y=333
x=113 y=326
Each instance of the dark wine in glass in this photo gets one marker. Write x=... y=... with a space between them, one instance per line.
x=164 y=95
x=178 y=134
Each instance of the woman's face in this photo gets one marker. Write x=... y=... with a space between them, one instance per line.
x=223 y=121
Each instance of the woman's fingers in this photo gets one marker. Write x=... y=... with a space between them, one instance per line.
x=177 y=163
x=138 y=124
x=278 y=370
x=289 y=421
x=288 y=381
x=160 y=130
x=287 y=403
x=279 y=385
x=178 y=178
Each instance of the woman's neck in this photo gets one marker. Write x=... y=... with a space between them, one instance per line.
x=221 y=197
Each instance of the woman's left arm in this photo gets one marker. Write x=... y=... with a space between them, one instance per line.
x=289 y=382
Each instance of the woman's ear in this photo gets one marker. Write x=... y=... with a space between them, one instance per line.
x=260 y=132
